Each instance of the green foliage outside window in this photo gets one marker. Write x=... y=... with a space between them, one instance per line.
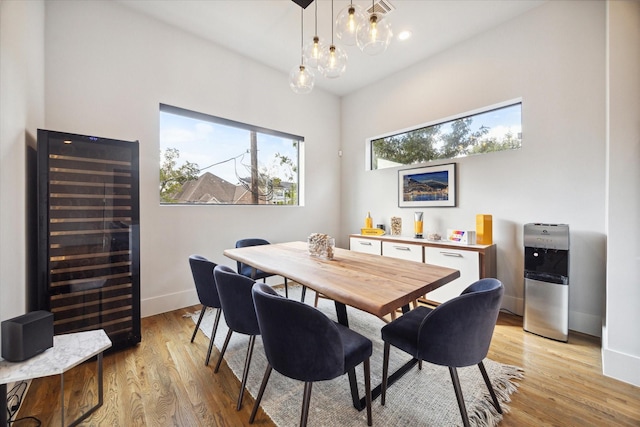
x=494 y=130
x=173 y=177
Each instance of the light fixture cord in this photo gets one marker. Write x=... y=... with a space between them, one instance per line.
x=331 y=22
x=301 y=36
x=316 y=5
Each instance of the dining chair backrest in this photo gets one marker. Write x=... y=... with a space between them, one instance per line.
x=202 y=271
x=245 y=269
x=299 y=341
x=458 y=332
x=236 y=300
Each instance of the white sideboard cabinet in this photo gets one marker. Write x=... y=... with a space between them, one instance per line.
x=367 y=246
x=408 y=251
x=473 y=261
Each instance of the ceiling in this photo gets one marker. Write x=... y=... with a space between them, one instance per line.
x=268 y=31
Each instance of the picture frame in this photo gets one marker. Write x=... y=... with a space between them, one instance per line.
x=429 y=186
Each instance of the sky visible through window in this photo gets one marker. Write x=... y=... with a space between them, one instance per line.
x=222 y=150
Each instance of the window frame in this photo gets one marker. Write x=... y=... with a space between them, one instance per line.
x=170 y=109
x=369 y=141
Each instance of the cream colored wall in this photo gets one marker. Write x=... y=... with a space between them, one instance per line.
x=553 y=58
x=108 y=69
x=621 y=340
x=21 y=113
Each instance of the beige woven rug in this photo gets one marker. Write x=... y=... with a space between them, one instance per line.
x=419 y=398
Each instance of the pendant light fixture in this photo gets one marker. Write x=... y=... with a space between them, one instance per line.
x=347 y=23
x=374 y=36
x=301 y=79
x=315 y=48
x=333 y=63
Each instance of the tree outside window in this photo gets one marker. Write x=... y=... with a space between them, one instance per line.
x=494 y=130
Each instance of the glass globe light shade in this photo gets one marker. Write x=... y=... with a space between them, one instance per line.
x=374 y=36
x=347 y=23
x=301 y=80
x=333 y=63
x=312 y=52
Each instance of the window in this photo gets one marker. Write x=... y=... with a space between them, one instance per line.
x=210 y=160
x=492 y=129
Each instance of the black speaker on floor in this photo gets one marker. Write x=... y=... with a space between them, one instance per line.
x=25 y=336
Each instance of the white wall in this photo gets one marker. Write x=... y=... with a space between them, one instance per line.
x=109 y=68
x=621 y=340
x=552 y=57
x=22 y=108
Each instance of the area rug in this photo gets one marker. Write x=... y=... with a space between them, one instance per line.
x=420 y=398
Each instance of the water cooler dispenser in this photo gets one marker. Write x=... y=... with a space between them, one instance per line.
x=546 y=280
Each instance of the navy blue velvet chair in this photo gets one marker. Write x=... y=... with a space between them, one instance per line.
x=302 y=343
x=247 y=270
x=457 y=333
x=202 y=271
x=237 y=305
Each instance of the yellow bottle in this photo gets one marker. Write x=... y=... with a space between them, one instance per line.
x=368 y=221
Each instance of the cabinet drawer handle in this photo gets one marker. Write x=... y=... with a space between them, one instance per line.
x=453 y=254
x=402 y=248
x=365 y=243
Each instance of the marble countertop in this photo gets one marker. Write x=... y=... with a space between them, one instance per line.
x=68 y=350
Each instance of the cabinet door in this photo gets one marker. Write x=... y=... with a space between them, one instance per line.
x=406 y=251
x=368 y=246
x=467 y=262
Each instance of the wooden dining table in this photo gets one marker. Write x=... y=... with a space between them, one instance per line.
x=376 y=284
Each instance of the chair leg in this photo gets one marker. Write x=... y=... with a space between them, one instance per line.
x=256 y=405
x=195 y=331
x=367 y=389
x=306 y=398
x=224 y=348
x=286 y=288
x=490 y=387
x=213 y=335
x=385 y=373
x=456 y=386
x=245 y=373
x=304 y=292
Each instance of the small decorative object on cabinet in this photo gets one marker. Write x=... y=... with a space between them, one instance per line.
x=396 y=225
x=368 y=229
x=418 y=225
x=89 y=235
x=368 y=221
x=484 y=233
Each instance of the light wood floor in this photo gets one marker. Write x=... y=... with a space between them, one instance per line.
x=163 y=382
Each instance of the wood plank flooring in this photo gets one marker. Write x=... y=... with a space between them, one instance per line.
x=163 y=382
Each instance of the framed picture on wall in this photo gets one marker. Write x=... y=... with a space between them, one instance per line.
x=431 y=186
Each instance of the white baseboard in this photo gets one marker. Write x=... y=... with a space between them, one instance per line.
x=169 y=302
x=621 y=366
x=589 y=324
x=174 y=301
